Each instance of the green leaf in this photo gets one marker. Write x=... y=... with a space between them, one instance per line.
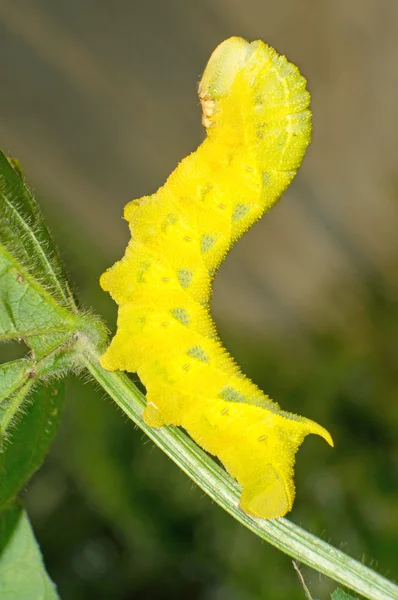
x=15 y=384
x=11 y=407
x=26 y=308
x=12 y=376
x=36 y=305
x=22 y=572
x=30 y=436
x=342 y=595
x=26 y=237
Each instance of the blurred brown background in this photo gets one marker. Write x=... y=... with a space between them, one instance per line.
x=98 y=100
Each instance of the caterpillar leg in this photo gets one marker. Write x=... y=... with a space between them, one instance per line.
x=269 y=496
x=152 y=415
x=158 y=412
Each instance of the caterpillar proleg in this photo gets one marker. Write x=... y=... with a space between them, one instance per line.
x=255 y=110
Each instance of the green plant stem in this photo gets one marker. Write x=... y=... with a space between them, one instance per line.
x=216 y=482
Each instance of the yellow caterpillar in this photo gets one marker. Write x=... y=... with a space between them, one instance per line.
x=255 y=110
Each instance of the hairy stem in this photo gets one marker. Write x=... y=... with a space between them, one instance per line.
x=216 y=482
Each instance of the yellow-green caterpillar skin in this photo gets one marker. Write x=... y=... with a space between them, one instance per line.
x=255 y=110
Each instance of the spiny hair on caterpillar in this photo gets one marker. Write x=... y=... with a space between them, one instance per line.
x=256 y=112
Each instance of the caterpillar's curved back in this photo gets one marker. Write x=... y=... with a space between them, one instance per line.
x=255 y=109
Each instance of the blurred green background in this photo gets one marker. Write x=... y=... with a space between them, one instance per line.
x=98 y=101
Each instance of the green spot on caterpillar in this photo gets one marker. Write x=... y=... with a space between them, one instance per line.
x=198 y=353
x=141 y=270
x=169 y=220
x=185 y=277
x=260 y=133
x=207 y=242
x=266 y=178
x=232 y=395
x=240 y=211
x=255 y=109
x=181 y=315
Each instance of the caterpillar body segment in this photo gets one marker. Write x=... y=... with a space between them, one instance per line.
x=255 y=110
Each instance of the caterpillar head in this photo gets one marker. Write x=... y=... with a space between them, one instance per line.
x=224 y=64
x=229 y=59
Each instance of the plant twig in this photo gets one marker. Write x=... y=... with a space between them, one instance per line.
x=301 y=579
